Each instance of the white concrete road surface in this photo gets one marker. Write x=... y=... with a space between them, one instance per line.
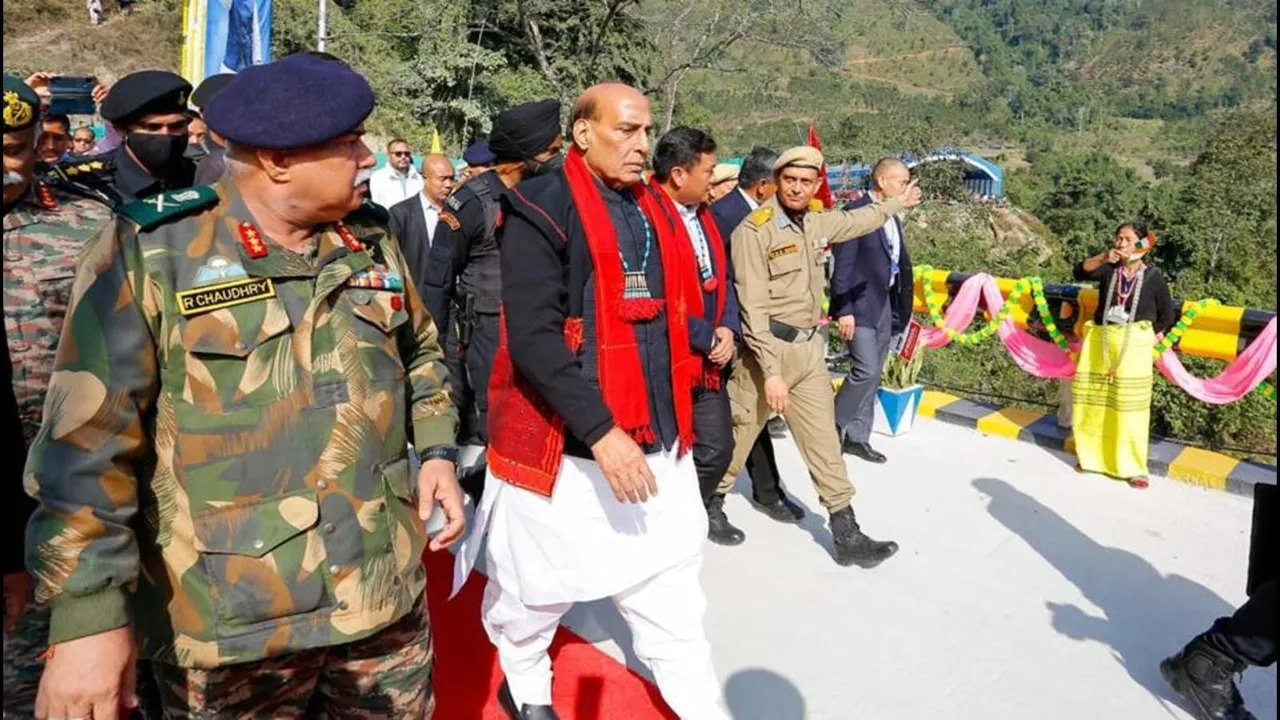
x=1022 y=590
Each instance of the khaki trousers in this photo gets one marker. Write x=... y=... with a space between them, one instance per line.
x=810 y=414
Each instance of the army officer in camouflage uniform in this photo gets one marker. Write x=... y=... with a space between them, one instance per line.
x=44 y=230
x=222 y=472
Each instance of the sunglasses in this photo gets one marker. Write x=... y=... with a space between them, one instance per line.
x=401 y=153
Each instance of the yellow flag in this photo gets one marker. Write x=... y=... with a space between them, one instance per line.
x=435 y=143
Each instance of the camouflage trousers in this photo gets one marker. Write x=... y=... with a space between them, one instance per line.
x=387 y=675
x=22 y=662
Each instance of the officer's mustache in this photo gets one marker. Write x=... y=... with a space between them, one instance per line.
x=12 y=178
x=362 y=177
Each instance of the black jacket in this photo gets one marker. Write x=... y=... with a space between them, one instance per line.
x=1155 y=304
x=547 y=277
x=429 y=262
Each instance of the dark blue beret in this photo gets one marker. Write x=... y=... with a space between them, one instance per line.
x=479 y=154
x=145 y=92
x=209 y=87
x=296 y=102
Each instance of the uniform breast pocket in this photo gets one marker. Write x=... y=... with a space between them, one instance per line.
x=784 y=261
x=378 y=317
x=238 y=357
x=263 y=559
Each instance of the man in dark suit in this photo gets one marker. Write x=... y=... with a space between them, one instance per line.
x=414 y=221
x=755 y=186
x=871 y=300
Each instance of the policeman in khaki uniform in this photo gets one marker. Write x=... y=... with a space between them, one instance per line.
x=222 y=474
x=779 y=253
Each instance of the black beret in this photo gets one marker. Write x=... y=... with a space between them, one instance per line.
x=295 y=102
x=525 y=130
x=21 y=105
x=478 y=154
x=144 y=92
x=209 y=87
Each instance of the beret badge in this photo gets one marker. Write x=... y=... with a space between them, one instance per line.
x=17 y=112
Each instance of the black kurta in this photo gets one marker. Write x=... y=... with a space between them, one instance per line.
x=1155 y=305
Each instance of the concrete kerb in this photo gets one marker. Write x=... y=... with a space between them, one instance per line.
x=1191 y=465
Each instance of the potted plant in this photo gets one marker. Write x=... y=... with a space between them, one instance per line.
x=898 y=397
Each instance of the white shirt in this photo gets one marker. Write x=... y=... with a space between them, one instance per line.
x=388 y=187
x=432 y=215
x=701 y=250
x=895 y=243
x=750 y=201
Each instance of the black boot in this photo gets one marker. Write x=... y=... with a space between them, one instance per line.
x=855 y=548
x=862 y=450
x=719 y=530
x=784 y=510
x=526 y=712
x=1205 y=677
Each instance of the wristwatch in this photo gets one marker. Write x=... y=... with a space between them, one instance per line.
x=439 y=452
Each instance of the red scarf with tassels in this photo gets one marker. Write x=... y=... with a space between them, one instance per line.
x=526 y=438
x=710 y=376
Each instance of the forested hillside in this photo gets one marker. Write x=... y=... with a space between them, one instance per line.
x=1099 y=111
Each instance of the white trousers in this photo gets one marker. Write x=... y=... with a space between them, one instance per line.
x=665 y=615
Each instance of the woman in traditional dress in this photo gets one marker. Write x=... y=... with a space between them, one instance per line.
x=1111 y=415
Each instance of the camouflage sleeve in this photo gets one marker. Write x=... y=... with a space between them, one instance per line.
x=842 y=225
x=84 y=464
x=434 y=418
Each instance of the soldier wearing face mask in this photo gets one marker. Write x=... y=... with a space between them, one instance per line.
x=150 y=109
x=526 y=142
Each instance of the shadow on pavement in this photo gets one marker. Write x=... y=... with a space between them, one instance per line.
x=759 y=694
x=1146 y=615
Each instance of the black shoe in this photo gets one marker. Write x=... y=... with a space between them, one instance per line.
x=855 y=548
x=527 y=712
x=783 y=510
x=777 y=427
x=862 y=450
x=1204 y=677
x=719 y=530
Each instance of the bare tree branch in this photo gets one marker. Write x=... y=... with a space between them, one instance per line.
x=613 y=8
x=533 y=35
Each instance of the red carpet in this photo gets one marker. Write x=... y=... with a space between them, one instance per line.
x=589 y=685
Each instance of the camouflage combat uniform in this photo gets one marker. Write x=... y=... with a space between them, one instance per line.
x=224 y=461
x=43 y=235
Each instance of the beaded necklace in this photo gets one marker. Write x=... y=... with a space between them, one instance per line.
x=1131 y=299
x=635 y=282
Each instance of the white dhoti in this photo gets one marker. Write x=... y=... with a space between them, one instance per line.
x=544 y=554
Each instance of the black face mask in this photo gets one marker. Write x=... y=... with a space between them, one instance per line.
x=158 y=153
x=551 y=164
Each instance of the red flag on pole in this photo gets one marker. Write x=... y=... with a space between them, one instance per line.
x=824 y=190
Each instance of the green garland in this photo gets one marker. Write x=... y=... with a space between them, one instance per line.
x=933 y=306
x=1175 y=333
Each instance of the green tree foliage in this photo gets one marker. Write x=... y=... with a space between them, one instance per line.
x=453 y=66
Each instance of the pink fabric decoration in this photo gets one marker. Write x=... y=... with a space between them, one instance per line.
x=1044 y=359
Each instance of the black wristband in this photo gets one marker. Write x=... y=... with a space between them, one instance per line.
x=439 y=452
